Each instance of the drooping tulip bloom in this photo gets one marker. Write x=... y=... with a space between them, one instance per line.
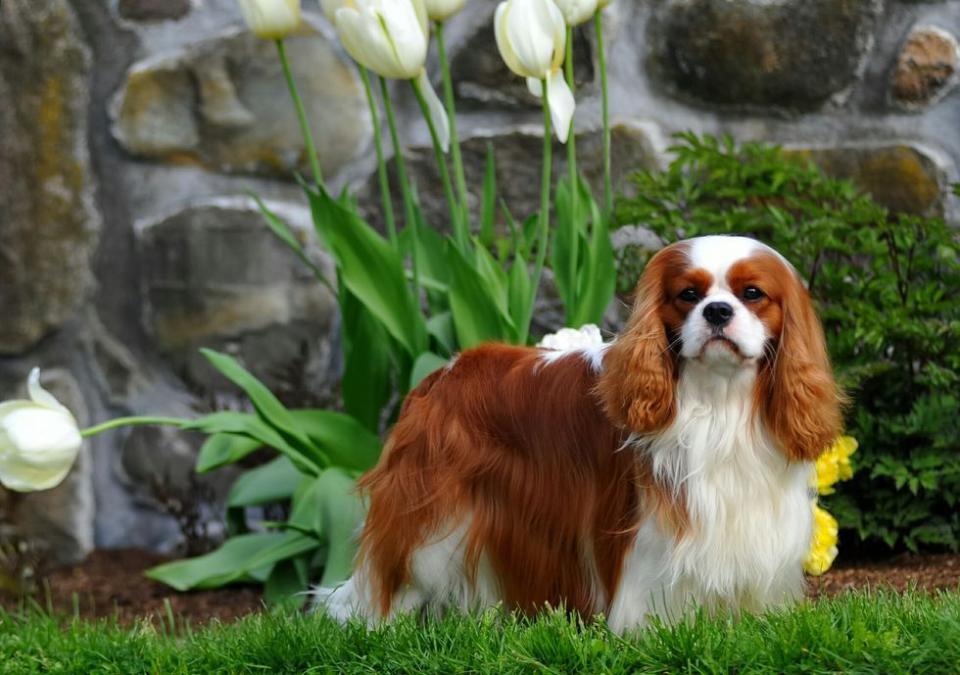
x=391 y=38
x=39 y=440
x=271 y=19
x=441 y=10
x=532 y=38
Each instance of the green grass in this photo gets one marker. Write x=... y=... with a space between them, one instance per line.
x=857 y=633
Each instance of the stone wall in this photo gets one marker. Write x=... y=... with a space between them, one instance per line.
x=131 y=132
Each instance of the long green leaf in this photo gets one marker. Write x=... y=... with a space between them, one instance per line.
x=223 y=449
x=246 y=424
x=426 y=364
x=475 y=307
x=346 y=441
x=488 y=205
x=342 y=513
x=232 y=562
x=367 y=380
x=272 y=482
x=267 y=405
x=371 y=269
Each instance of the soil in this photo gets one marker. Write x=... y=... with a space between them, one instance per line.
x=111 y=584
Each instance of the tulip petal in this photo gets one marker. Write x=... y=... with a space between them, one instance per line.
x=529 y=30
x=503 y=41
x=406 y=28
x=535 y=87
x=40 y=395
x=562 y=105
x=438 y=113
x=38 y=446
x=365 y=40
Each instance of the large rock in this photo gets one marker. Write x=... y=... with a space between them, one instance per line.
x=903 y=178
x=48 y=222
x=794 y=54
x=153 y=10
x=517 y=153
x=223 y=103
x=926 y=68
x=214 y=276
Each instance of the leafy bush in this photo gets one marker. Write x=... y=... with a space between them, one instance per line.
x=886 y=286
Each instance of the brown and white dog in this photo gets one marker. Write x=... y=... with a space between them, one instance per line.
x=662 y=472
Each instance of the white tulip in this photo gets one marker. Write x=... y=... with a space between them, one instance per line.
x=532 y=38
x=39 y=440
x=579 y=11
x=271 y=19
x=441 y=10
x=391 y=37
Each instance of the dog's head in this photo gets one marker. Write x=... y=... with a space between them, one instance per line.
x=728 y=304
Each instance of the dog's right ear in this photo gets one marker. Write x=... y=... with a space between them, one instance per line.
x=639 y=369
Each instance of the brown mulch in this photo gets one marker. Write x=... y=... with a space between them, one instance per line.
x=923 y=572
x=111 y=583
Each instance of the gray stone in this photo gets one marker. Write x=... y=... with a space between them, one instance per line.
x=48 y=223
x=903 y=178
x=518 y=155
x=213 y=275
x=61 y=520
x=153 y=10
x=926 y=68
x=793 y=54
x=222 y=103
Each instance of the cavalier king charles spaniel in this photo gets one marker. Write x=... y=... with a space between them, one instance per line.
x=665 y=471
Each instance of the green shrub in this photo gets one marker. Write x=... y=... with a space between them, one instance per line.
x=886 y=287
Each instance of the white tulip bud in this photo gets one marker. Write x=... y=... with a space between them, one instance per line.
x=441 y=10
x=389 y=37
x=271 y=19
x=532 y=38
x=576 y=12
x=39 y=440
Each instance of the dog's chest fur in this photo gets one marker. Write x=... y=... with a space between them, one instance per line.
x=749 y=512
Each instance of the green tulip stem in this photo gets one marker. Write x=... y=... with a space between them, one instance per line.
x=544 y=233
x=388 y=214
x=133 y=422
x=605 y=94
x=574 y=184
x=410 y=219
x=455 y=152
x=455 y=219
x=301 y=114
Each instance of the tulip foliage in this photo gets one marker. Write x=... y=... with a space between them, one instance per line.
x=412 y=296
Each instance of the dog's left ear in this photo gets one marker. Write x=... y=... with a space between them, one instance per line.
x=801 y=404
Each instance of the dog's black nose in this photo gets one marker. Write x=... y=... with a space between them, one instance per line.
x=718 y=314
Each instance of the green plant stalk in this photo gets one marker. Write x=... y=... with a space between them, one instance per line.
x=544 y=212
x=455 y=152
x=408 y=206
x=384 y=179
x=574 y=183
x=301 y=114
x=458 y=225
x=605 y=96
x=133 y=422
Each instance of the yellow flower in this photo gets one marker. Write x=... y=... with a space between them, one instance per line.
x=834 y=465
x=823 y=547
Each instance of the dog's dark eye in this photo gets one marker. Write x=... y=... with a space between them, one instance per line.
x=689 y=295
x=752 y=294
